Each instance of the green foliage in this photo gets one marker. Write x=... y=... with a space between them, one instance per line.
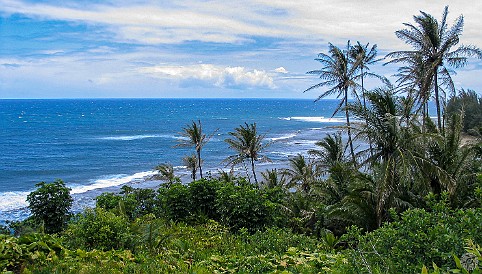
x=175 y=202
x=469 y=103
x=132 y=202
x=50 y=205
x=98 y=229
x=202 y=196
x=244 y=206
x=418 y=238
x=469 y=262
x=34 y=249
x=24 y=227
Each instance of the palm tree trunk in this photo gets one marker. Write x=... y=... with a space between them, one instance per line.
x=254 y=173
x=437 y=103
x=365 y=110
x=348 y=126
x=199 y=163
x=424 y=114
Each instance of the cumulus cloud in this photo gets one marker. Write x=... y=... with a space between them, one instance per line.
x=219 y=76
x=281 y=70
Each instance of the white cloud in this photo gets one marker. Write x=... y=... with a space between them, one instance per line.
x=148 y=23
x=336 y=21
x=219 y=76
x=281 y=70
x=266 y=34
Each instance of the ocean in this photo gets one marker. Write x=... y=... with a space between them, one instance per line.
x=98 y=145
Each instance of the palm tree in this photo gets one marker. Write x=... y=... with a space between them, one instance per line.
x=194 y=136
x=273 y=179
x=432 y=41
x=166 y=173
x=412 y=79
x=395 y=154
x=358 y=204
x=191 y=163
x=248 y=144
x=330 y=153
x=365 y=57
x=451 y=163
x=339 y=72
x=226 y=176
x=301 y=173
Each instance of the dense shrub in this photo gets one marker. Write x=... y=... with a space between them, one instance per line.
x=244 y=206
x=98 y=229
x=202 y=195
x=132 y=202
x=175 y=202
x=35 y=250
x=418 y=238
x=50 y=205
x=470 y=103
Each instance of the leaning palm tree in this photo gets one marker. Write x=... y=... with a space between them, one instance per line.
x=248 y=144
x=166 y=173
x=433 y=41
x=191 y=163
x=194 y=136
x=339 y=72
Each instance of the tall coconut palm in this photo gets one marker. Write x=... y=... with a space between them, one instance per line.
x=338 y=72
x=248 y=144
x=433 y=40
x=194 y=136
x=413 y=81
x=394 y=144
x=366 y=57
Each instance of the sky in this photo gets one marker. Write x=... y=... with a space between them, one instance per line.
x=200 y=49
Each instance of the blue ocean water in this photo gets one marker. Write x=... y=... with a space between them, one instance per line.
x=98 y=145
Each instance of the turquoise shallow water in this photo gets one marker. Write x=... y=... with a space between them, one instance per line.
x=98 y=145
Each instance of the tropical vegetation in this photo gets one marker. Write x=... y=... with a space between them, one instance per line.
x=392 y=191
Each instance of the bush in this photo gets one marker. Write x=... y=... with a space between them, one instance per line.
x=50 y=205
x=34 y=249
x=133 y=202
x=419 y=238
x=98 y=229
x=202 y=195
x=469 y=102
x=244 y=206
x=175 y=202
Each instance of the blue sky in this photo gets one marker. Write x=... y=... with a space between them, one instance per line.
x=164 y=49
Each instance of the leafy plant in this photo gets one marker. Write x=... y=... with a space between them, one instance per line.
x=50 y=205
x=98 y=229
